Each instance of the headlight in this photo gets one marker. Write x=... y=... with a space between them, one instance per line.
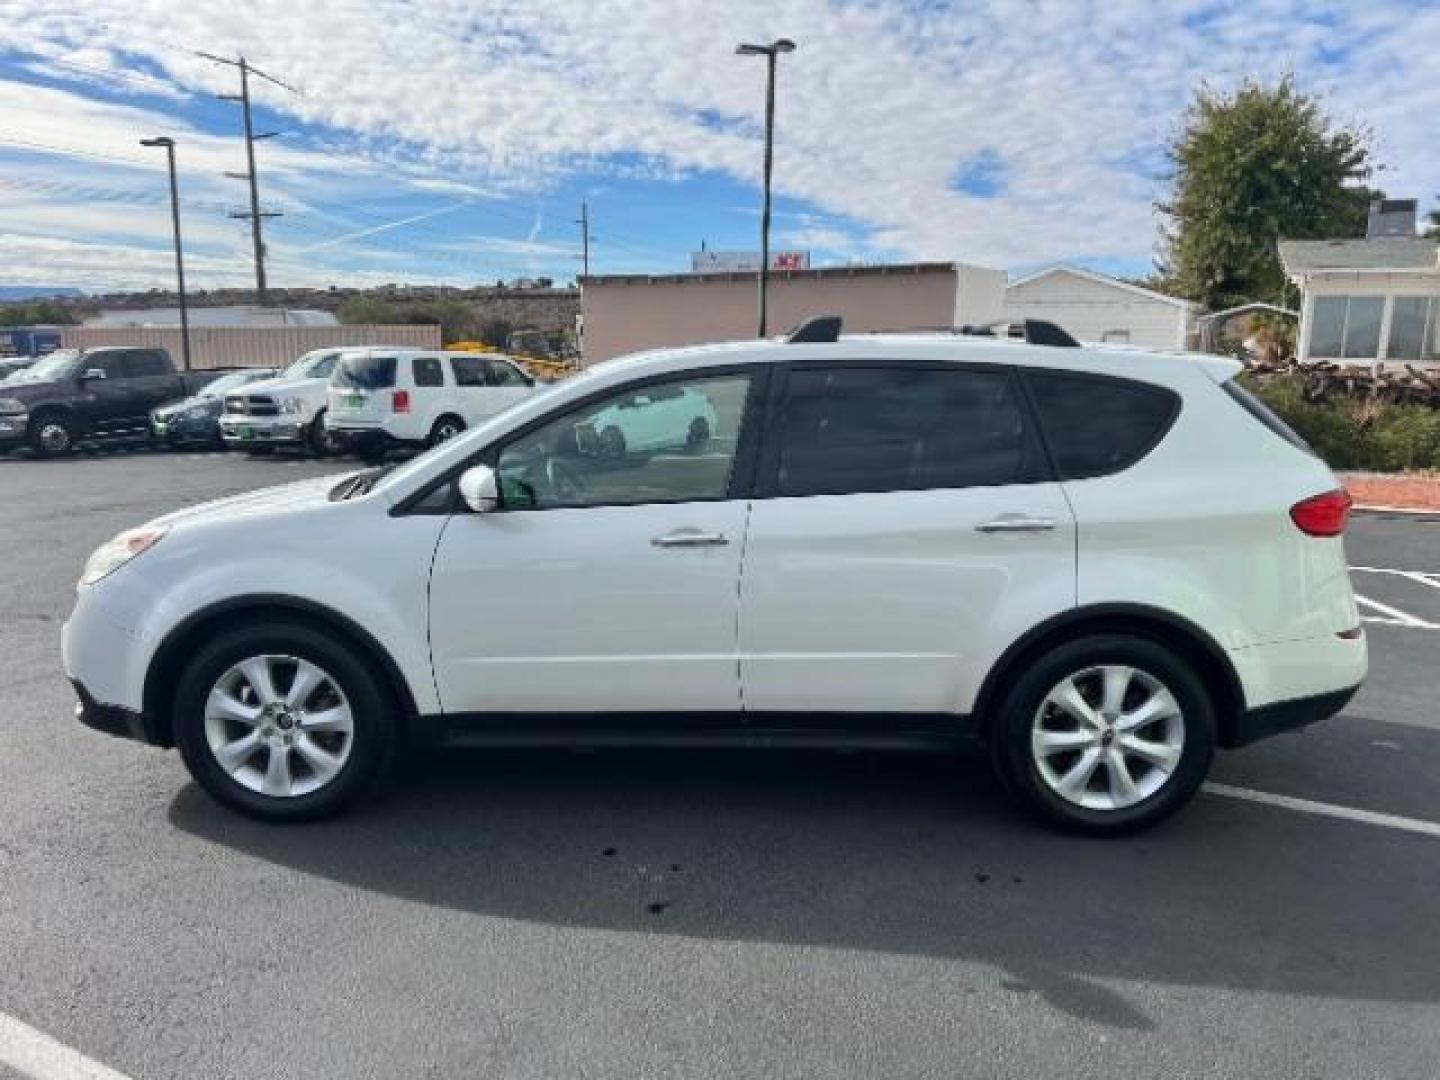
x=11 y=407
x=291 y=405
x=113 y=554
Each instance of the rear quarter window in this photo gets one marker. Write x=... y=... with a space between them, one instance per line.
x=1266 y=416
x=1096 y=425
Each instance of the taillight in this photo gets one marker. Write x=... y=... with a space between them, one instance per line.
x=1322 y=515
x=400 y=401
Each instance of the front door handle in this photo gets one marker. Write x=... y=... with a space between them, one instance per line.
x=690 y=538
x=1016 y=523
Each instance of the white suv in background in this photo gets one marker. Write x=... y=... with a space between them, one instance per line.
x=380 y=399
x=288 y=410
x=1100 y=564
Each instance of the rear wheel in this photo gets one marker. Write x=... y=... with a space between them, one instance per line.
x=282 y=721
x=445 y=429
x=51 y=434
x=1106 y=734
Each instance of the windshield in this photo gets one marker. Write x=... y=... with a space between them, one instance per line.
x=58 y=365
x=312 y=366
x=365 y=372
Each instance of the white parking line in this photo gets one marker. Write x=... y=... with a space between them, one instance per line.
x=1309 y=806
x=1390 y=616
x=35 y=1055
x=1424 y=577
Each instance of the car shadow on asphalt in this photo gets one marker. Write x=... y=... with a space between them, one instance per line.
x=909 y=855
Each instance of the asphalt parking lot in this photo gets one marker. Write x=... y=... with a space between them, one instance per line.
x=701 y=914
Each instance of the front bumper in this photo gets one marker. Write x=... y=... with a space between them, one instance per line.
x=243 y=431
x=14 y=429
x=114 y=720
x=174 y=432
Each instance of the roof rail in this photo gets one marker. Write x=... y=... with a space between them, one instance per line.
x=817 y=328
x=1031 y=331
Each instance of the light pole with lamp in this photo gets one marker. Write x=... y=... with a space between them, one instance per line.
x=771 y=52
x=169 y=145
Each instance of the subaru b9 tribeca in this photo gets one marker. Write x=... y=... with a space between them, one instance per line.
x=1100 y=564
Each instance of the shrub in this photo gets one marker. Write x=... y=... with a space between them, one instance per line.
x=1356 y=431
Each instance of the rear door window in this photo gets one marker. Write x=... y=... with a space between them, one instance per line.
x=469 y=370
x=141 y=363
x=428 y=371
x=845 y=430
x=365 y=372
x=1097 y=425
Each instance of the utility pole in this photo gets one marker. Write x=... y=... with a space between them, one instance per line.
x=168 y=145
x=771 y=52
x=584 y=222
x=254 y=214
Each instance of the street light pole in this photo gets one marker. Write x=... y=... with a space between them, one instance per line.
x=771 y=53
x=169 y=145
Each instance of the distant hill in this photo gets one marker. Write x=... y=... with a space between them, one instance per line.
x=38 y=292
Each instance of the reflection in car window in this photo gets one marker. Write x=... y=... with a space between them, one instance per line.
x=899 y=429
x=672 y=442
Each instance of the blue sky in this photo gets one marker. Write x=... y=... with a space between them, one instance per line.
x=434 y=141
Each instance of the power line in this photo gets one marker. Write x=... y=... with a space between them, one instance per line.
x=254 y=214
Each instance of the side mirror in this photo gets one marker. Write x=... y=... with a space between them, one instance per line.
x=93 y=373
x=479 y=489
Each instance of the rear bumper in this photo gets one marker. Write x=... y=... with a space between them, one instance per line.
x=360 y=439
x=1267 y=720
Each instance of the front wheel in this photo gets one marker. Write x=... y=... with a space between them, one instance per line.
x=319 y=439
x=1106 y=734
x=282 y=721
x=51 y=435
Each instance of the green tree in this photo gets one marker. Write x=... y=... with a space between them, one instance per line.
x=1252 y=167
x=36 y=313
x=456 y=318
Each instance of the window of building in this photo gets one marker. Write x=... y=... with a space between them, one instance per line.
x=1413 y=329
x=1346 y=327
x=899 y=429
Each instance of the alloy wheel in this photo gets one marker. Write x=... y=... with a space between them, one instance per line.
x=279 y=725
x=54 y=437
x=1107 y=737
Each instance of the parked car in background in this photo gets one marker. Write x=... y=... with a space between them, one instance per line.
x=103 y=393
x=286 y=411
x=655 y=418
x=906 y=541
x=196 y=419
x=384 y=399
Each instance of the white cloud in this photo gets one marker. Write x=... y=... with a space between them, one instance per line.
x=879 y=108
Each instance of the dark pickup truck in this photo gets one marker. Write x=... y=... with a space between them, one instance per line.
x=76 y=394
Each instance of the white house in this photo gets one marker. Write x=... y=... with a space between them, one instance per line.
x=1368 y=301
x=1096 y=307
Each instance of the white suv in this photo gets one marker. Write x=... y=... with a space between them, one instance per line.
x=1101 y=564
x=380 y=399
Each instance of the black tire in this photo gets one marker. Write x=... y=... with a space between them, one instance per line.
x=372 y=708
x=1010 y=733
x=51 y=434
x=317 y=439
x=699 y=433
x=445 y=429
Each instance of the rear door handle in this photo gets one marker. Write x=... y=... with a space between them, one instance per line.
x=690 y=538
x=1016 y=523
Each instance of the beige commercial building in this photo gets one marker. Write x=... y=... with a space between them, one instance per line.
x=628 y=312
